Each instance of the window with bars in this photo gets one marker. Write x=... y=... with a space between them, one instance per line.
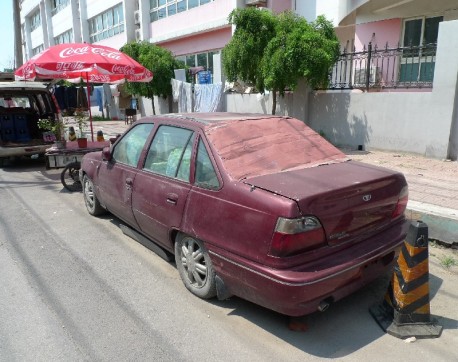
x=107 y=24
x=160 y=9
x=35 y=20
x=66 y=37
x=419 y=43
x=58 y=5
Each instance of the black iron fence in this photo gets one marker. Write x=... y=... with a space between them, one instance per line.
x=375 y=69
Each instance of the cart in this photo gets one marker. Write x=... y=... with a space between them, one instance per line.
x=69 y=158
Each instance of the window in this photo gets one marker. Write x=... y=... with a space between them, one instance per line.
x=58 y=5
x=199 y=59
x=128 y=150
x=66 y=37
x=38 y=49
x=170 y=153
x=205 y=173
x=107 y=24
x=418 y=60
x=160 y=9
x=35 y=20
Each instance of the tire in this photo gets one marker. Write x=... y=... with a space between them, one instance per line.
x=90 y=199
x=70 y=177
x=195 y=267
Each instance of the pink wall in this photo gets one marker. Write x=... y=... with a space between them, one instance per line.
x=278 y=6
x=199 y=43
x=385 y=31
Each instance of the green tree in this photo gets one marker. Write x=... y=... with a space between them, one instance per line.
x=292 y=50
x=161 y=62
x=242 y=56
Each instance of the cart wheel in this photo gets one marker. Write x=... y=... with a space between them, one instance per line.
x=70 y=177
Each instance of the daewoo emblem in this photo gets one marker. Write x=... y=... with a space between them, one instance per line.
x=367 y=197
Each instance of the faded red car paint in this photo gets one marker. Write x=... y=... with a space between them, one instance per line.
x=292 y=221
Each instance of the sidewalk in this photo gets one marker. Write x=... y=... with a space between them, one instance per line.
x=433 y=189
x=433 y=184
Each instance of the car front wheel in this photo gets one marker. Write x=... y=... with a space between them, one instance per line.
x=90 y=199
x=195 y=267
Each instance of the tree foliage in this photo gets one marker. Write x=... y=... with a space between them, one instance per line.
x=158 y=60
x=274 y=51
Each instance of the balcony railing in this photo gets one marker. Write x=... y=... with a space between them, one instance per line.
x=390 y=68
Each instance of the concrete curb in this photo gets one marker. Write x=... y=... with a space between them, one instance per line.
x=442 y=222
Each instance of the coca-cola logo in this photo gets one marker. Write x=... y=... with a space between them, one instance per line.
x=69 y=52
x=123 y=69
x=62 y=66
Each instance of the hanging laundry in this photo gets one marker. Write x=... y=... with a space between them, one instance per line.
x=207 y=97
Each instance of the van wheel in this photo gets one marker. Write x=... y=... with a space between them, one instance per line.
x=195 y=267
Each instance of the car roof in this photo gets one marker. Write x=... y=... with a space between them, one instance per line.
x=211 y=119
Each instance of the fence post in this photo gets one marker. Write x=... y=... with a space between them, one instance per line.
x=368 y=65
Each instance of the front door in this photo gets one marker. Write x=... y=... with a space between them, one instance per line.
x=117 y=176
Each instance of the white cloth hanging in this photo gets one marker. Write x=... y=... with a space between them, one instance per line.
x=207 y=97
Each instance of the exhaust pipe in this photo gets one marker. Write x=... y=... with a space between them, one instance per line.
x=324 y=305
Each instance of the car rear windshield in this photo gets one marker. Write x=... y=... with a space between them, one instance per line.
x=255 y=147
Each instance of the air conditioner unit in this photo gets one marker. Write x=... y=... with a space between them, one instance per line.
x=138 y=34
x=359 y=76
x=137 y=17
x=256 y=2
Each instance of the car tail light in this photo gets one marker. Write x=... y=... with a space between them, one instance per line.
x=293 y=236
x=401 y=205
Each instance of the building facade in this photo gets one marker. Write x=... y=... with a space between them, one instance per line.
x=193 y=30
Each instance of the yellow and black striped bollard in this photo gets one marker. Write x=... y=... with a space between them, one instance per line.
x=405 y=311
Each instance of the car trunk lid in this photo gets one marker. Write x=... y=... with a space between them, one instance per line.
x=352 y=200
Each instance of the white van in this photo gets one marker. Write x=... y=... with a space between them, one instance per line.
x=22 y=104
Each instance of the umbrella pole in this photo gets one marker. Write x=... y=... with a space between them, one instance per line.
x=89 y=105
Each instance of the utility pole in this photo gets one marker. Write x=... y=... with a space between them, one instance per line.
x=18 y=58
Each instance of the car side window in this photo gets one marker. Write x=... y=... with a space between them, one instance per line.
x=129 y=148
x=205 y=173
x=170 y=152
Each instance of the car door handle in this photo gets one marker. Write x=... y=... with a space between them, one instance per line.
x=172 y=199
x=129 y=183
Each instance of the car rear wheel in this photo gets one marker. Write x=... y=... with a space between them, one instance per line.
x=90 y=199
x=195 y=267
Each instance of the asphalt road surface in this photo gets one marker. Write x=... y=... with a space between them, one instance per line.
x=75 y=288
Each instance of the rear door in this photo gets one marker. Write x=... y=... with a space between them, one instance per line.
x=116 y=178
x=162 y=186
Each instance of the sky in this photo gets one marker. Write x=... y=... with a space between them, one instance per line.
x=7 y=31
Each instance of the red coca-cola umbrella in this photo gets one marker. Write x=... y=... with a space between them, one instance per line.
x=92 y=62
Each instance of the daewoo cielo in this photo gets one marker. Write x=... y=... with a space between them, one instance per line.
x=256 y=206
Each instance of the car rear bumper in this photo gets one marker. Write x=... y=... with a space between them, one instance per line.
x=300 y=291
x=23 y=150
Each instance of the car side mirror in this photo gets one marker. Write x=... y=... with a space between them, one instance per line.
x=114 y=139
x=106 y=154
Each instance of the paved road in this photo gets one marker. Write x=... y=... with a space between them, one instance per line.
x=74 y=288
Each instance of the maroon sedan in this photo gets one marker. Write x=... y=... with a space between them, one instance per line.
x=256 y=206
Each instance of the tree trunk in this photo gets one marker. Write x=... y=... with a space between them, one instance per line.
x=154 y=108
x=274 y=101
x=170 y=101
